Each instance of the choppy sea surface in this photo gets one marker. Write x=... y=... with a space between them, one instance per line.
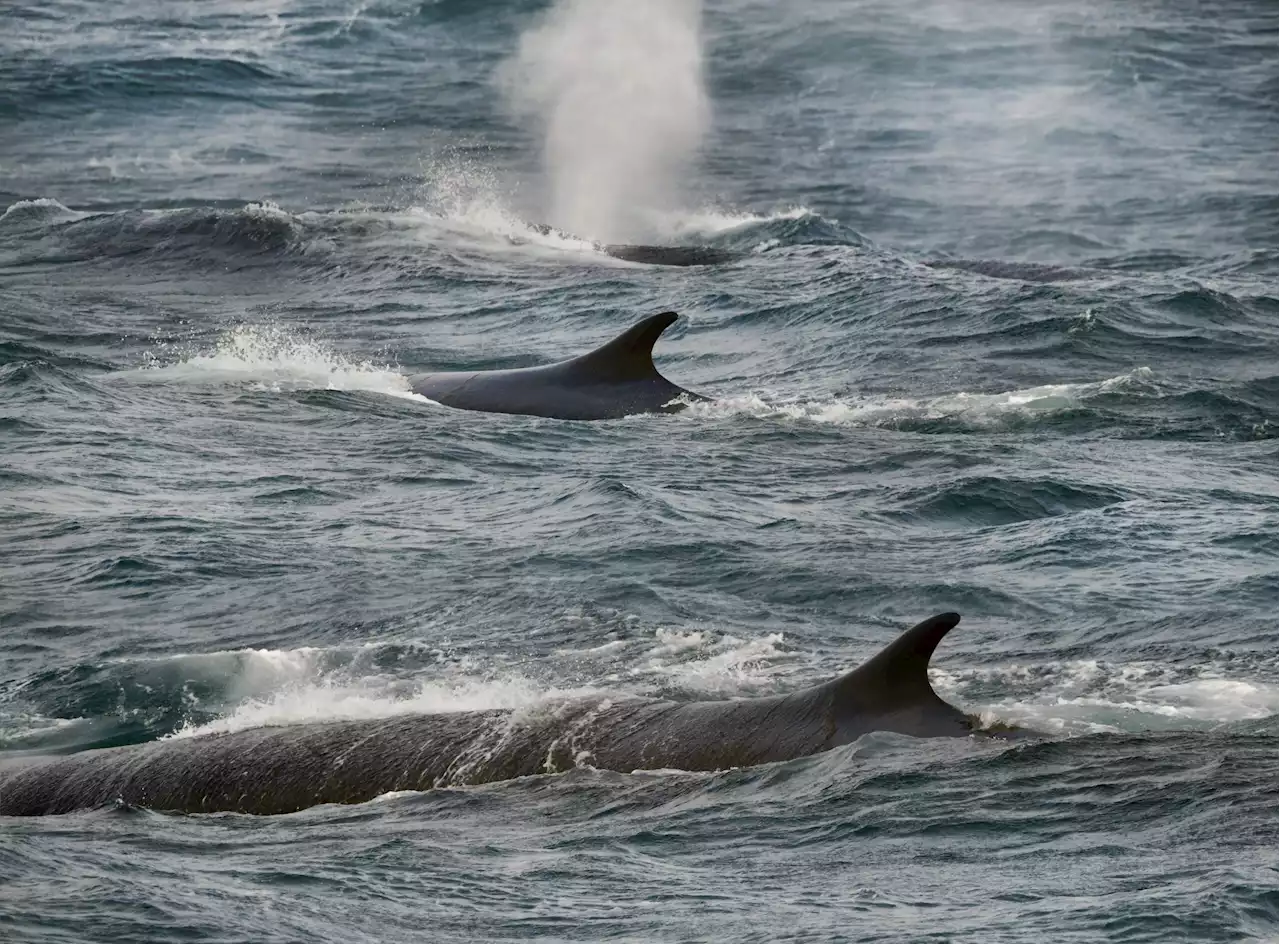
x=1003 y=340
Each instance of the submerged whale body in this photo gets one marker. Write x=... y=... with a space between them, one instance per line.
x=651 y=255
x=285 y=769
x=617 y=379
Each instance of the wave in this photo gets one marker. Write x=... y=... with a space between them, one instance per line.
x=962 y=410
x=1090 y=696
x=22 y=358
x=743 y=230
x=124 y=700
x=38 y=87
x=45 y=231
x=277 y=360
x=1016 y=271
x=988 y=501
x=54 y=378
x=461 y=194
x=38 y=211
x=460 y=216
x=361 y=700
x=332 y=243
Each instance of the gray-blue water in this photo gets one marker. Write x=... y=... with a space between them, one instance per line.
x=233 y=229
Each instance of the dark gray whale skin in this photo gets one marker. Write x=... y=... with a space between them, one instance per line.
x=617 y=379
x=286 y=769
x=671 y=255
x=652 y=255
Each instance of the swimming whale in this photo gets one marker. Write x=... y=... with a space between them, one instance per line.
x=617 y=379
x=650 y=255
x=670 y=255
x=285 y=769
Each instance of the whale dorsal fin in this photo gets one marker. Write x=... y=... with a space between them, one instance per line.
x=898 y=674
x=629 y=356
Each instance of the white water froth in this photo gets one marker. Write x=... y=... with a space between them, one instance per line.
x=616 y=91
x=275 y=359
x=360 y=700
x=695 y=661
x=268 y=687
x=307 y=685
x=711 y=221
x=272 y=358
x=19 y=729
x=703 y=662
x=465 y=200
x=972 y=408
x=464 y=197
x=44 y=209
x=339 y=697
x=1088 y=696
x=488 y=223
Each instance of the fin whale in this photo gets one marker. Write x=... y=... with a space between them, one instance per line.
x=616 y=379
x=670 y=255
x=1017 y=271
x=651 y=255
x=284 y=769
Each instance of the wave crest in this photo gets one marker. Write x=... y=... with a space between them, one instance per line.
x=957 y=409
x=275 y=359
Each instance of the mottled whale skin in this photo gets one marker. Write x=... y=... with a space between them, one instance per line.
x=617 y=379
x=285 y=769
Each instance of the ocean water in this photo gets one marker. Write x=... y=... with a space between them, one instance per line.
x=1003 y=340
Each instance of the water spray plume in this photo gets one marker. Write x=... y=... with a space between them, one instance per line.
x=616 y=90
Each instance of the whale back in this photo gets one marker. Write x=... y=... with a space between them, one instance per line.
x=284 y=769
x=616 y=379
x=672 y=255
